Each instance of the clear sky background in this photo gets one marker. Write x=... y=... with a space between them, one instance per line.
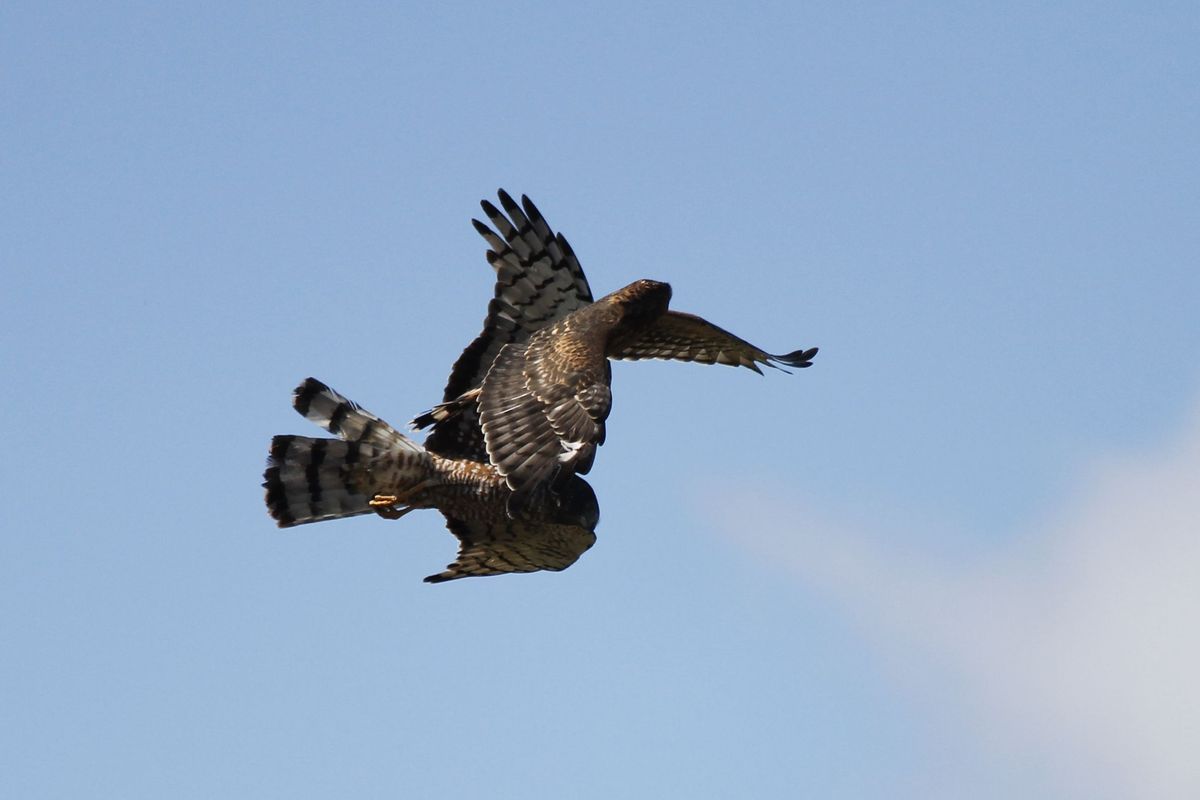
x=958 y=557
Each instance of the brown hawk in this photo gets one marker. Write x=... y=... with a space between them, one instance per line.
x=532 y=391
x=524 y=408
x=373 y=467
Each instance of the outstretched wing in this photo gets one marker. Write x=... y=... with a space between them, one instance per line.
x=686 y=337
x=543 y=407
x=500 y=546
x=538 y=280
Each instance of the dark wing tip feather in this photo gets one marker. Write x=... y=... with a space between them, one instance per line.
x=508 y=203
x=566 y=248
x=531 y=210
x=797 y=358
x=489 y=209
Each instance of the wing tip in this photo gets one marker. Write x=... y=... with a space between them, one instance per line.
x=799 y=359
x=510 y=206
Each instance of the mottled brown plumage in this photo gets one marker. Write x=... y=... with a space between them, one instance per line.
x=538 y=280
x=531 y=393
x=523 y=410
x=543 y=404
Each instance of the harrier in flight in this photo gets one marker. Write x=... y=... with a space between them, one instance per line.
x=522 y=413
x=536 y=382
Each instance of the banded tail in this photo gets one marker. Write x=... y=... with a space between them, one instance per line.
x=309 y=480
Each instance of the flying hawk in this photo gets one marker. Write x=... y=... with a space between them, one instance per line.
x=531 y=394
x=524 y=408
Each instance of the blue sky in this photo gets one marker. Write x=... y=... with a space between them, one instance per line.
x=957 y=557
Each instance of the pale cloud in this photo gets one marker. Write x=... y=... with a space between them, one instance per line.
x=1079 y=642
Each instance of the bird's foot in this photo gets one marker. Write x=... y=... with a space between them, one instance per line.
x=385 y=505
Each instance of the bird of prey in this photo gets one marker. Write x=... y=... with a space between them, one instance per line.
x=523 y=410
x=531 y=394
x=372 y=467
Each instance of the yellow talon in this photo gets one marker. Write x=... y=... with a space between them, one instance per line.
x=385 y=506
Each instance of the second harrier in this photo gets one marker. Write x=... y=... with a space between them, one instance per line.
x=535 y=383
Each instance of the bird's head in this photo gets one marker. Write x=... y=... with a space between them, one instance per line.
x=577 y=504
x=643 y=301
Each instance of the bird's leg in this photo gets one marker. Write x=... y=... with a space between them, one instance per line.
x=385 y=505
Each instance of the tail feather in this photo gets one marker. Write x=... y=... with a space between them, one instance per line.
x=309 y=480
x=344 y=418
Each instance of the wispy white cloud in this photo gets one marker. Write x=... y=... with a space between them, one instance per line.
x=1080 y=640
